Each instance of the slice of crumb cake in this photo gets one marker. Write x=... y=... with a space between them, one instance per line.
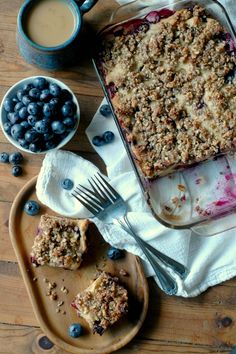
x=60 y=242
x=103 y=303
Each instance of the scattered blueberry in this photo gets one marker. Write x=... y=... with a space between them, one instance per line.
x=4 y=157
x=31 y=207
x=108 y=137
x=31 y=136
x=18 y=106
x=67 y=110
x=75 y=330
x=98 y=140
x=23 y=114
x=114 y=253
x=15 y=158
x=16 y=171
x=40 y=83
x=55 y=90
x=34 y=93
x=105 y=110
x=45 y=95
x=67 y=184
x=33 y=108
x=58 y=127
x=17 y=131
x=26 y=100
x=7 y=127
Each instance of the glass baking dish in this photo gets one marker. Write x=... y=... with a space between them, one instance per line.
x=202 y=197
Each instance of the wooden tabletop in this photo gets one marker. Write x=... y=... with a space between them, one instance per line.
x=205 y=324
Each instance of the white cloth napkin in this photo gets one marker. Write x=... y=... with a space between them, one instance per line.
x=210 y=260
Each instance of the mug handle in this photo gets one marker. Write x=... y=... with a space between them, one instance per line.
x=87 y=5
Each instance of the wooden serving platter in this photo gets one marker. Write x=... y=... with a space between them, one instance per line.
x=55 y=324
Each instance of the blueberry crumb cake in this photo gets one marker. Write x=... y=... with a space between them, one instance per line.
x=171 y=77
x=60 y=242
x=103 y=303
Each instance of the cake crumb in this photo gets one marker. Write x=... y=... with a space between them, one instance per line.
x=60 y=303
x=181 y=187
x=53 y=296
x=35 y=278
x=64 y=290
x=58 y=310
x=123 y=272
x=45 y=280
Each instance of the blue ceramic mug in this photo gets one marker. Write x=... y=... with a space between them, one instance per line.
x=57 y=56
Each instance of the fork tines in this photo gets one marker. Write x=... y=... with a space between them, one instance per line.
x=97 y=199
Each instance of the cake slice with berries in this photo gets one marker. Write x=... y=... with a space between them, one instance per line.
x=103 y=303
x=60 y=242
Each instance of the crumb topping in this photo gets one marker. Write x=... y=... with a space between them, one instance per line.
x=103 y=303
x=60 y=242
x=173 y=88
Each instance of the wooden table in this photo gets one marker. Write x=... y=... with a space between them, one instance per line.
x=205 y=324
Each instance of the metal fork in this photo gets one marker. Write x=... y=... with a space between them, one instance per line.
x=103 y=201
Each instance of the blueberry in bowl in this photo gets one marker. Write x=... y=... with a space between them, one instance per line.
x=39 y=114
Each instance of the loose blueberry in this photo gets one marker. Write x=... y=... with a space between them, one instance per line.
x=55 y=90
x=45 y=95
x=98 y=140
x=26 y=100
x=18 y=106
x=75 y=330
x=69 y=122
x=31 y=207
x=58 y=127
x=67 y=110
x=33 y=108
x=16 y=171
x=67 y=184
x=66 y=95
x=17 y=131
x=4 y=157
x=34 y=93
x=8 y=105
x=31 y=136
x=40 y=83
x=42 y=126
x=108 y=137
x=25 y=124
x=15 y=158
x=105 y=110
x=23 y=114
x=27 y=87
x=48 y=110
x=13 y=117
x=114 y=253
x=7 y=128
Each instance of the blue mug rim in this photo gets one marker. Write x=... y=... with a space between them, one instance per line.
x=76 y=10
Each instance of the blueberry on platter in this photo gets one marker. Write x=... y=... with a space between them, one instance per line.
x=75 y=330
x=31 y=207
x=4 y=157
x=105 y=110
x=67 y=184
x=16 y=171
x=15 y=158
x=114 y=253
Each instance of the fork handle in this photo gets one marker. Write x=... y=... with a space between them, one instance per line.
x=168 y=284
x=177 y=267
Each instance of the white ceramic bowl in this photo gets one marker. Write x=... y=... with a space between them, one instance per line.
x=12 y=92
